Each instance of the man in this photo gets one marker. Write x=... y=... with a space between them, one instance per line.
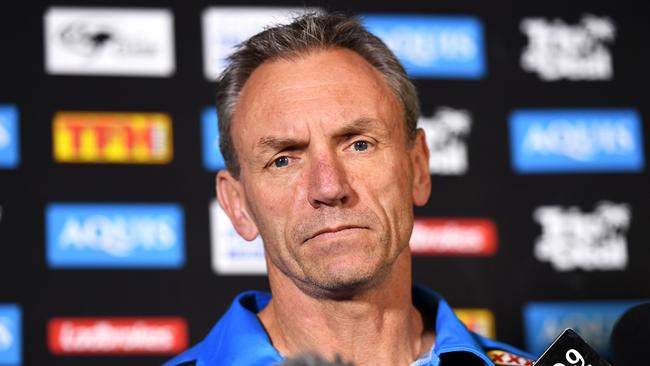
x=325 y=162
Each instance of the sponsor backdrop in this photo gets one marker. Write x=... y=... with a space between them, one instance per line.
x=114 y=250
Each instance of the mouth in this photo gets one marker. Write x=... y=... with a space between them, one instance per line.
x=335 y=231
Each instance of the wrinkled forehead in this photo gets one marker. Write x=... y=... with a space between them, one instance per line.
x=325 y=85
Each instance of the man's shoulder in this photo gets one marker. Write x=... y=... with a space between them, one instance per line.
x=188 y=358
x=238 y=338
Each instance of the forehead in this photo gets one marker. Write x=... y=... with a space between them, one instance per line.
x=323 y=87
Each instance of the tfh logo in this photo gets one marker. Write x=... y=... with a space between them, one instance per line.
x=572 y=239
x=557 y=50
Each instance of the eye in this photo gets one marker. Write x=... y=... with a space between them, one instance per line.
x=280 y=162
x=360 y=145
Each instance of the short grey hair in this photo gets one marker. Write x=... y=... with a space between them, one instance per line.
x=307 y=33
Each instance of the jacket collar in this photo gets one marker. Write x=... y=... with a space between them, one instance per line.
x=240 y=339
x=451 y=333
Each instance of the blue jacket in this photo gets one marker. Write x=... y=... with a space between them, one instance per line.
x=238 y=338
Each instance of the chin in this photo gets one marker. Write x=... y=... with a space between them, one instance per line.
x=344 y=283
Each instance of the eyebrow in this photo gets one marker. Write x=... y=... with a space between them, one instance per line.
x=358 y=126
x=273 y=143
x=354 y=127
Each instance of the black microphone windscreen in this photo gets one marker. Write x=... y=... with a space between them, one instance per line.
x=630 y=340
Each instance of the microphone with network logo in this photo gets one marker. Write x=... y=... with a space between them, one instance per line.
x=569 y=349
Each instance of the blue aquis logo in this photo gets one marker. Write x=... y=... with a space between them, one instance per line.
x=593 y=321
x=433 y=46
x=9 y=145
x=576 y=140
x=10 y=335
x=115 y=235
x=212 y=158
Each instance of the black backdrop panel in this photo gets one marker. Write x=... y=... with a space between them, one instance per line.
x=504 y=282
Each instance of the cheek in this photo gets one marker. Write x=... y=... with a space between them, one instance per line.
x=395 y=193
x=393 y=177
x=271 y=207
x=386 y=183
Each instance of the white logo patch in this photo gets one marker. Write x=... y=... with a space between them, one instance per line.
x=109 y=41
x=557 y=50
x=231 y=254
x=226 y=27
x=445 y=134
x=572 y=239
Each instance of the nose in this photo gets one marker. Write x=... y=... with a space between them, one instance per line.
x=328 y=184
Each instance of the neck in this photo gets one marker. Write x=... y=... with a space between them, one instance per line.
x=378 y=326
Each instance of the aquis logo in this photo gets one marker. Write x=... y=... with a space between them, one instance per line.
x=88 y=235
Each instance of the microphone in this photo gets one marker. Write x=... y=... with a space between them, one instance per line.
x=630 y=340
x=569 y=349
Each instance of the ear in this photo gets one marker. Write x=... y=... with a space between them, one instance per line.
x=420 y=162
x=230 y=193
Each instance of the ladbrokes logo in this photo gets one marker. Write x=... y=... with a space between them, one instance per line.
x=432 y=46
x=231 y=254
x=114 y=336
x=480 y=321
x=225 y=27
x=557 y=50
x=454 y=237
x=105 y=41
x=446 y=134
x=115 y=235
x=136 y=138
x=568 y=140
x=10 y=335
x=593 y=320
x=572 y=239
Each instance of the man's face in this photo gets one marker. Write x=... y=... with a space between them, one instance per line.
x=327 y=176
